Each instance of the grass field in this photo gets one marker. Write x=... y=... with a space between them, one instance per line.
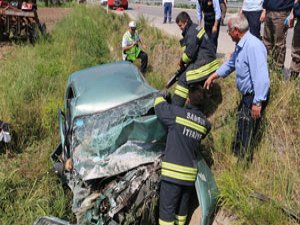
x=32 y=91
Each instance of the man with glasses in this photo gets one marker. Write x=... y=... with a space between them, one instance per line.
x=249 y=61
x=131 y=49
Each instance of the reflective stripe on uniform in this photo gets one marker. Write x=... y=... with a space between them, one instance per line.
x=191 y=124
x=181 y=91
x=201 y=33
x=162 y=222
x=179 y=168
x=185 y=58
x=177 y=175
x=178 y=172
x=159 y=100
x=180 y=220
x=202 y=71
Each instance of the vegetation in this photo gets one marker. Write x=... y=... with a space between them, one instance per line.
x=33 y=82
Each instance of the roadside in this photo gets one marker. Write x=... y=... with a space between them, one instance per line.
x=155 y=16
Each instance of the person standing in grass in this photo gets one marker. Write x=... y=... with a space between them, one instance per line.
x=249 y=61
x=186 y=128
x=131 y=49
x=168 y=4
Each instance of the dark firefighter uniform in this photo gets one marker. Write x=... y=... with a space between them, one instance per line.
x=186 y=127
x=199 y=56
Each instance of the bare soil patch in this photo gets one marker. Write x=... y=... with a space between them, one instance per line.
x=49 y=16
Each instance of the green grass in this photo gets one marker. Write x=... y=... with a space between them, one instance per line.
x=32 y=88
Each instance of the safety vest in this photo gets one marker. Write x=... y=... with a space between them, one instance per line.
x=132 y=53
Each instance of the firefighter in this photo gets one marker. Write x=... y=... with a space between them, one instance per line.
x=131 y=49
x=198 y=60
x=186 y=127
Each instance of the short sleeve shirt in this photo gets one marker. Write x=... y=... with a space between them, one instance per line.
x=128 y=39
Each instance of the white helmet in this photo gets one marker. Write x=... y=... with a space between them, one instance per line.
x=132 y=24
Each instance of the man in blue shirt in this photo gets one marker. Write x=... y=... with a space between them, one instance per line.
x=212 y=16
x=249 y=60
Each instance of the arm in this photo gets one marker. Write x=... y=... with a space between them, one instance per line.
x=218 y=15
x=199 y=12
x=227 y=68
x=142 y=42
x=258 y=67
x=191 y=49
x=164 y=111
x=262 y=16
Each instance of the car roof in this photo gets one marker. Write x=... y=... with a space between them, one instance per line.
x=105 y=86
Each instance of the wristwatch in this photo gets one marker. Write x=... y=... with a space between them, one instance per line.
x=258 y=104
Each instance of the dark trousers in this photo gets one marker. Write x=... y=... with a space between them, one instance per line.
x=144 y=61
x=254 y=22
x=246 y=129
x=208 y=25
x=174 y=201
x=167 y=11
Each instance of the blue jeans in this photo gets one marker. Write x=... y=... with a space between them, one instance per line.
x=168 y=11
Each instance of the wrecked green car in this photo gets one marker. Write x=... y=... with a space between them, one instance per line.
x=112 y=138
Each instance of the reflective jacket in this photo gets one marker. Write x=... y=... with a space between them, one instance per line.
x=186 y=127
x=199 y=53
x=132 y=53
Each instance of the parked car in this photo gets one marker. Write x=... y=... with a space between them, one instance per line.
x=112 y=138
x=114 y=4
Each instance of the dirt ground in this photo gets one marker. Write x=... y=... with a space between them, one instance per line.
x=49 y=16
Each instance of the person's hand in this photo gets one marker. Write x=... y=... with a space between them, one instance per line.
x=181 y=64
x=165 y=94
x=214 y=29
x=145 y=46
x=256 y=111
x=199 y=23
x=262 y=16
x=69 y=165
x=291 y=21
x=209 y=82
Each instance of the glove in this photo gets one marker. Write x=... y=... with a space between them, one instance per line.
x=166 y=95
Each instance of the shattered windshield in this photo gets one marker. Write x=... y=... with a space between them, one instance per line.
x=116 y=140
